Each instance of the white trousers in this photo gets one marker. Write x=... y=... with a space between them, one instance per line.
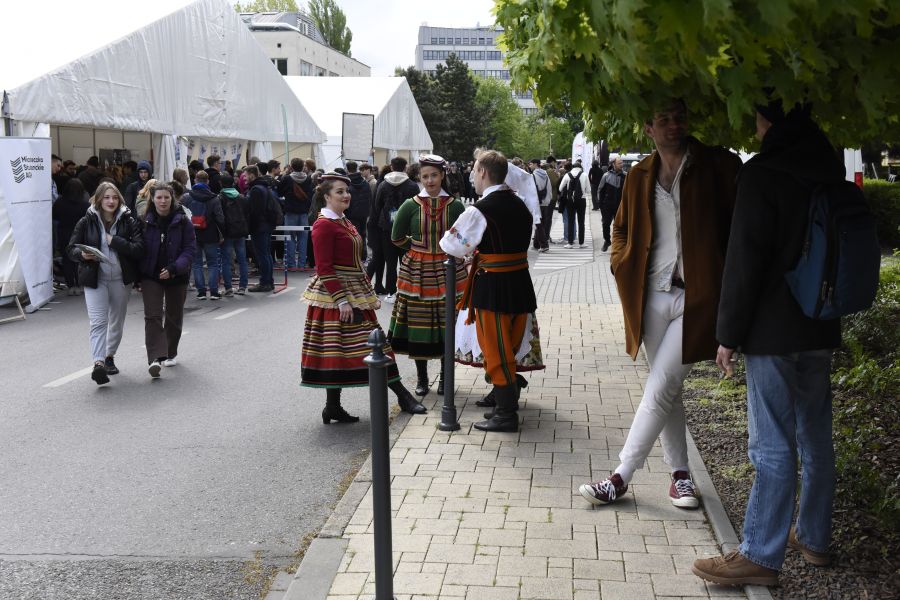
x=106 y=306
x=661 y=411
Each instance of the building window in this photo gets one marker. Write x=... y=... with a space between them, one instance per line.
x=529 y=111
x=490 y=42
x=281 y=65
x=333 y=74
x=434 y=41
x=457 y=41
x=320 y=72
x=441 y=41
x=465 y=41
x=481 y=41
x=305 y=68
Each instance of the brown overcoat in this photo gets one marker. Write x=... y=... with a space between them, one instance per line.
x=708 y=187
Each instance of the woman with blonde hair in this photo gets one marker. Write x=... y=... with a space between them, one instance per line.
x=143 y=198
x=110 y=228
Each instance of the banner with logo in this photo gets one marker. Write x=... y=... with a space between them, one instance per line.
x=25 y=192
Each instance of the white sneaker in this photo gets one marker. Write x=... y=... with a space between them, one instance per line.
x=568 y=246
x=154 y=369
x=170 y=362
x=390 y=298
x=582 y=246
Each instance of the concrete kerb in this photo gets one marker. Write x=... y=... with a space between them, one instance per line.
x=322 y=559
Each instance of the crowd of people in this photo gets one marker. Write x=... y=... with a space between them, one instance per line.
x=691 y=251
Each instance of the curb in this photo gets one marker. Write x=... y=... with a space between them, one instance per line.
x=322 y=559
x=715 y=512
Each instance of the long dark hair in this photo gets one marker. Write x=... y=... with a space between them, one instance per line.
x=74 y=191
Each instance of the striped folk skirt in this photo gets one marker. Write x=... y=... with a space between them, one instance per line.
x=333 y=351
x=417 y=323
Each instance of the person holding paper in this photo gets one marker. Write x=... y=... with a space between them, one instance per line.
x=106 y=244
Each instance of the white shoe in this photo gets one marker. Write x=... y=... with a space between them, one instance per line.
x=170 y=362
x=390 y=298
x=154 y=369
x=568 y=246
x=582 y=246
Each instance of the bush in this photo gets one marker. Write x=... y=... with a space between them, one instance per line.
x=884 y=200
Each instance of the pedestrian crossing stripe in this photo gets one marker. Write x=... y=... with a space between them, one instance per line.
x=560 y=257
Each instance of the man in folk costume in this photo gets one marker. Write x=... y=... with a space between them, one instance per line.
x=499 y=294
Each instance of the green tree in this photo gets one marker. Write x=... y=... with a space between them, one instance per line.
x=332 y=22
x=267 y=6
x=502 y=121
x=621 y=59
x=454 y=95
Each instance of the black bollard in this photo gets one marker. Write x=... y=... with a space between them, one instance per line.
x=448 y=411
x=381 y=466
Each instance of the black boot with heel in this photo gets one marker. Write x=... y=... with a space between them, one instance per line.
x=407 y=401
x=505 y=418
x=421 y=377
x=489 y=399
x=333 y=410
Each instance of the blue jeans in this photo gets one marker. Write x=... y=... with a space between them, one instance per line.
x=296 y=241
x=262 y=243
x=789 y=411
x=211 y=252
x=229 y=249
x=565 y=217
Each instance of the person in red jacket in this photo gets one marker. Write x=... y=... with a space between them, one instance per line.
x=341 y=311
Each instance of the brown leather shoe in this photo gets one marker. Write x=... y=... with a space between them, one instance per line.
x=733 y=569
x=819 y=559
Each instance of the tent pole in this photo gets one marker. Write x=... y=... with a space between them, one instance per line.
x=7 y=119
x=287 y=149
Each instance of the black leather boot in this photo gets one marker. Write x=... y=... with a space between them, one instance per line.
x=333 y=410
x=488 y=400
x=421 y=377
x=407 y=401
x=505 y=418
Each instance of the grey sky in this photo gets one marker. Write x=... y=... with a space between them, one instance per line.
x=384 y=32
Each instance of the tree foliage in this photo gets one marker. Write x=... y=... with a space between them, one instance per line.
x=621 y=59
x=267 y=6
x=500 y=115
x=332 y=22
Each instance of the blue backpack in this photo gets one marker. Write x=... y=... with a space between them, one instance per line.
x=837 y=273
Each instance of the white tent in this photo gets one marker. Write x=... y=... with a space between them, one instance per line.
x=197 y=73
x=399 y=127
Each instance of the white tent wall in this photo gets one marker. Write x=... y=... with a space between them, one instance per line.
x=198 y=72
x=302 y=151
x=9 y=256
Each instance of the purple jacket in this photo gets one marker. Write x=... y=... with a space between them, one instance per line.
x=180 y=246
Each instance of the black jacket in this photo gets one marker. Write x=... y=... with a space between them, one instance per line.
x=360 y=198
x=215 y=180
x=391 y=192
x=215 y=219
x=757 y=312
x=68 y=211
x=297 y=200
x=509 y=227
x=127 y=242
x=258 y=195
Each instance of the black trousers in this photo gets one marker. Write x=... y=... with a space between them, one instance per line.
x=608 y=209
x=375 y=268
x=595 y=200
x=576 y=208
x=392 y=255
x=542 y=229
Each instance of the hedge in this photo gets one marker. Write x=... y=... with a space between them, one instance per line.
x=884 y=200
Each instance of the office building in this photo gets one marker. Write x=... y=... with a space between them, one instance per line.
x=476 y=46
x=296 y=47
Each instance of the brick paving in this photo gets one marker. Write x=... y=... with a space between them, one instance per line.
x=498 y=517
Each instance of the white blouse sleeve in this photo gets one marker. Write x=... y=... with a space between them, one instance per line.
x=465 y=235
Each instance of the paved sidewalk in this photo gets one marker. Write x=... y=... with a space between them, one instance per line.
x=498 y=516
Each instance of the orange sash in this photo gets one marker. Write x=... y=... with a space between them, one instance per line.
x=489 y=263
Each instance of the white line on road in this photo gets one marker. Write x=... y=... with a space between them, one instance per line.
x=229 y=314
x=68 y=378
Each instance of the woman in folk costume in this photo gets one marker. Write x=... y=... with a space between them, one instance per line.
x=341 y=312
x=417 y=324
x=528 y=354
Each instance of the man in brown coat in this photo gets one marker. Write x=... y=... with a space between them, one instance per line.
x=668 y=250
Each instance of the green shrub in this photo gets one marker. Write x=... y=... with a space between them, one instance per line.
x=884 y=200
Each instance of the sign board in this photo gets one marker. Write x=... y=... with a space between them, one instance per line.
x=357 y=136
x=25 y=190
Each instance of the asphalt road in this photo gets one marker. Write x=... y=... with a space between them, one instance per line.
x=197 y=485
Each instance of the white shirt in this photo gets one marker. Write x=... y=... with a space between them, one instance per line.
x=665 y=249
x=463 y=238
x=330 y=214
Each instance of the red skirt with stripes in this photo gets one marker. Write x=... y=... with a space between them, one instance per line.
x=333 y=351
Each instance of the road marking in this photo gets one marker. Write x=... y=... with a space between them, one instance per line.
x=71 y=377
x=230 y=314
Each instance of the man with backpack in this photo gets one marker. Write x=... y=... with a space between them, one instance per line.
x=297 y=191
x=545 y=200
x=572 y=187
x=236 y=210
x=265 y=216
x=393 y=191
x=609 y=195
x=360 y=204
x=787 y=353
x=209 y=224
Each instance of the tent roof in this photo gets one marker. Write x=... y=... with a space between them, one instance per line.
x=398 y=122
x=196 y=72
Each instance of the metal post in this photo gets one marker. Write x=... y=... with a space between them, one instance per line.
x=448 y=411
x=381 y=466
x=7 y=117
